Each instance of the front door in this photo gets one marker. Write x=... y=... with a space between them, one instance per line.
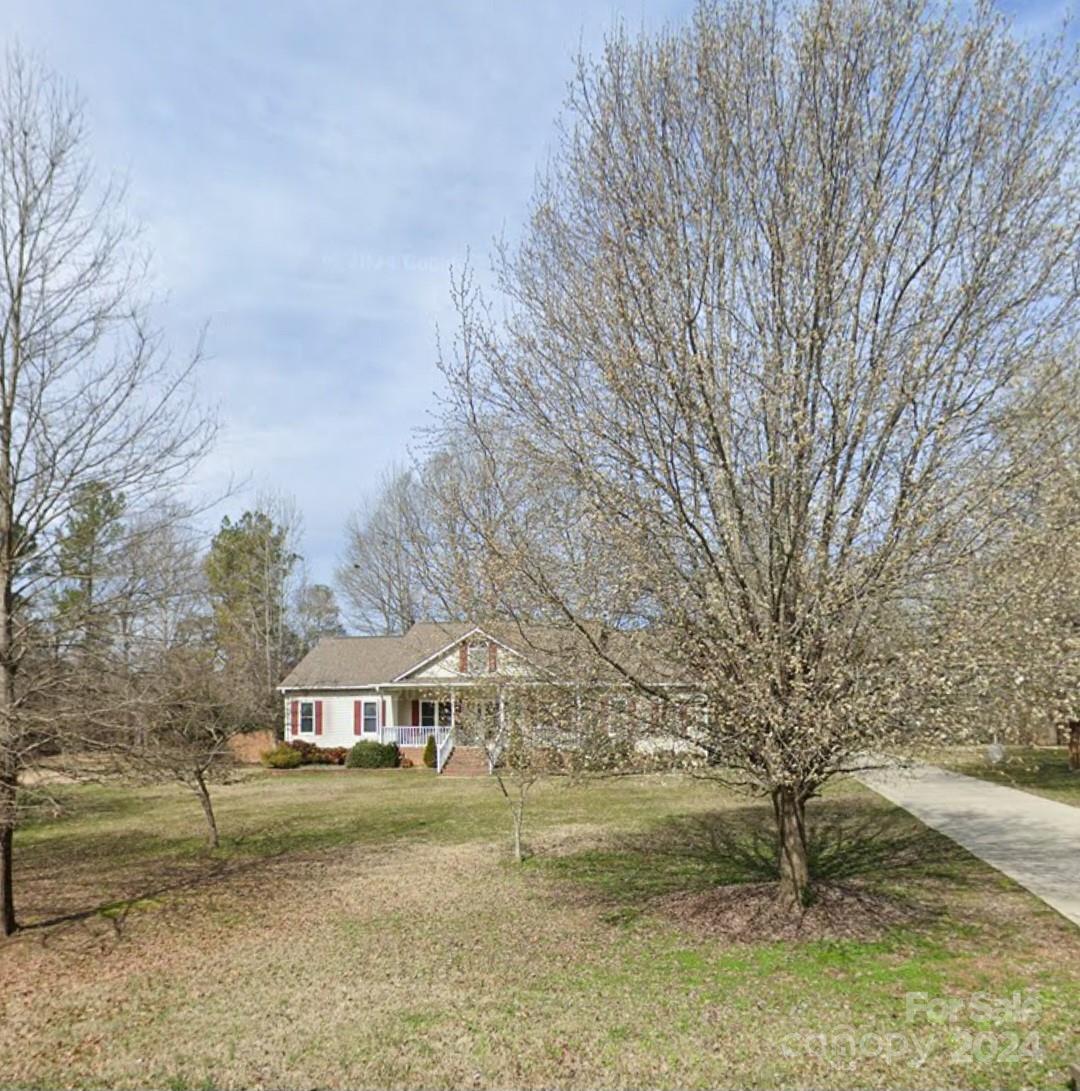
x=434 y=714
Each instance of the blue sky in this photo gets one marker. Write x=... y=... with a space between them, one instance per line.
x=306 y=175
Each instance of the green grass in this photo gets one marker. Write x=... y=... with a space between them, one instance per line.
x=695 y=852
x=368 y=929
x=1041 y=770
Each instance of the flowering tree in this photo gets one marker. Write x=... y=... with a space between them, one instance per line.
x=788 y=272
x=1004 y=640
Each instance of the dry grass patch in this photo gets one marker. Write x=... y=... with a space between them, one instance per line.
x=403 y=950
x=752 y=913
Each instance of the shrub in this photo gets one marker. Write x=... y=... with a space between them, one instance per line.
x=282 y=756
x=308 y=751
x=310 y=754
x=429 y=752
x=368 y=754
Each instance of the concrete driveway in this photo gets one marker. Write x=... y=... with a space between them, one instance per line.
x=1033 y=840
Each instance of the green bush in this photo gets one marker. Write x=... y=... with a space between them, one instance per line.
x=282 y=756
x=429 y=752
x=368 y=754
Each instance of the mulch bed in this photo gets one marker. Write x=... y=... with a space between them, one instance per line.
x=753 y=912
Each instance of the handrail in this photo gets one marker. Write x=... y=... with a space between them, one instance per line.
x=444 y=747
x=494 y=753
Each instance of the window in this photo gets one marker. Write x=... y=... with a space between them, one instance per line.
x=307 y=717
x=430 y=709
x=371 y=717
x=477 y=659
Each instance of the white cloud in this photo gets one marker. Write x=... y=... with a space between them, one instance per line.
x=306 y=175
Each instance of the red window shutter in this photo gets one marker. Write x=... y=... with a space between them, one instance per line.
x=463 y=657
x=294 y=717
x=357 y=717
x=318 y=717
x=493 y=656
x=416 y=713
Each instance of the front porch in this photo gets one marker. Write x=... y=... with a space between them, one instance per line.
x=453 y=722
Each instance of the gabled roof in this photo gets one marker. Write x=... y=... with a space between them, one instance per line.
x=370 y=660
x=378 y=660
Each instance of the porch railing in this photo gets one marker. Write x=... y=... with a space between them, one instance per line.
x=405 y=735
x=409 y=736
x=444 y=747
x=494 y=754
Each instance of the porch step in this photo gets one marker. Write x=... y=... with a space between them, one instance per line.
x=467 y=761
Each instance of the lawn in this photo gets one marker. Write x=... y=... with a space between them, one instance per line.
x=367 y=929
x=1043 y=770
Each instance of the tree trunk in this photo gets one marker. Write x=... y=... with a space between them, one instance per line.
x=518 y=813
x=212 y=838
x=789 y=809
x=7 y=832
x=9 y=769
x=1074 y=746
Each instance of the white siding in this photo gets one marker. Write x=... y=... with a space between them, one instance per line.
x=509 y=663
x=337 y=721
x=447 y=667
x=338 y=714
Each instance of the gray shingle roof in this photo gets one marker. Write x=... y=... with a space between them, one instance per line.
x=373 y=660
x=369 y=660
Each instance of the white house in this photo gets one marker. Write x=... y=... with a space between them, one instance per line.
x=399 y=689
x=425 y=683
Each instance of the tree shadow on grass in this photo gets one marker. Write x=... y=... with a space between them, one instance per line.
x=719 y=870
x=157 y=888
x=92 y=884
x=89 y=901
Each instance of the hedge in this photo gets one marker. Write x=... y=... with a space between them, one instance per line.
x=368 y=754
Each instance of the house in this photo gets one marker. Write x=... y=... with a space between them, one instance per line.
x=439 y=679
x=401 y=689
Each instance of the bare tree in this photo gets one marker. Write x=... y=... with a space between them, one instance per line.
x=377 y=576
x=412 y=554
x=88 y=397
x=787 y=273
x=188 y=713
x=166 y=702
x=511 y=730
x=316 y=614
x=540 y=730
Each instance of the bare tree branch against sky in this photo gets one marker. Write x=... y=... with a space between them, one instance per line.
x=306 y=176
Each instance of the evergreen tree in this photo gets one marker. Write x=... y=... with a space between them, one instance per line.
x=248 y=570
x=91 y=533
